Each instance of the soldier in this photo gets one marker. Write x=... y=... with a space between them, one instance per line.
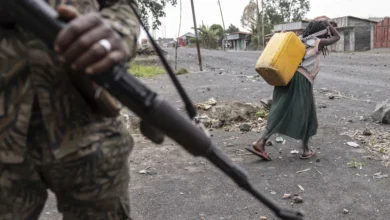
x=57 y=131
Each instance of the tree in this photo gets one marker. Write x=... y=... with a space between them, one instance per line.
x=275 y=12
x=232 y=29
x=218 y=29
x=208 y=37
x=155 y=9
x=289 y=10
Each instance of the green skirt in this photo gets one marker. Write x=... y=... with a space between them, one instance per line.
x=293 y=112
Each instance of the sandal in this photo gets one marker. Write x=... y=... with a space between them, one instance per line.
x=262 y=155
x=312 y=154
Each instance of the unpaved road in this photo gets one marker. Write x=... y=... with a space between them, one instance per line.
x=181 y=187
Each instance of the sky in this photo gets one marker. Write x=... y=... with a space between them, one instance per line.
x=207 y=12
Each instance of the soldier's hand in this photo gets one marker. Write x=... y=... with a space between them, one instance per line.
x=88 y=43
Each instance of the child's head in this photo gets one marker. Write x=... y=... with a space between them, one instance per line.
x=314 y=27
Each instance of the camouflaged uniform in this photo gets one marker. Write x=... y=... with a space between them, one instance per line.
x=52 y=137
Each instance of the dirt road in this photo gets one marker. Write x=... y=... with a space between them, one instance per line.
x=180 y=187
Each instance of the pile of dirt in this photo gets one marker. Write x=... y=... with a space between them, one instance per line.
x=232 y=116
x=148 y=51
x=375 y=139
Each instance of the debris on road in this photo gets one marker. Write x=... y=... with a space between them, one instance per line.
x=345 y=211
x=355 y=164
x=286 y=196
x=367 y=132
x=294 y=152
x=379 y=176
x=353 y=144
x=301 y=188
x=331 y=97
x=305 y=170
x=272 y=192
x=263 y=218
x=321 y=106
x=148 y=171
x=381 y=113
x=279 y=140
x=245 y=127
x=297 y=199
x=318 y=160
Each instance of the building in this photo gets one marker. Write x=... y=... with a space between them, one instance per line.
x=166 y=42
x=296 y=27
x=237 y=41
x=356 y=34
x=186 y=38
x=382 y=34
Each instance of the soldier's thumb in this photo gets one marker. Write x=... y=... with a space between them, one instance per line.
x=67 y=12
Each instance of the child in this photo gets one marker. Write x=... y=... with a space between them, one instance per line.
x=293 y=111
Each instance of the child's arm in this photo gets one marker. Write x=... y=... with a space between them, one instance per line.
x=333 y=39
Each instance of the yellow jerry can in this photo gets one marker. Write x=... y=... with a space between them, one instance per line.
x=281 y=58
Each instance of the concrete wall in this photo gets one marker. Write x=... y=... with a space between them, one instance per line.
x=362 y=38
x=339 y=46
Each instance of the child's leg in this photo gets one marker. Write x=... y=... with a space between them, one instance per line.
x=307 y=152
x=259 y=145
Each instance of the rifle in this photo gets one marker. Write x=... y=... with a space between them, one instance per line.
x=159 y=117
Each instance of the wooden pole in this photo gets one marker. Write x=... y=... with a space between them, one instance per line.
x=224 y=29
x=258 y=26
x=178 y=35
x=196 y=34
x=262 y=22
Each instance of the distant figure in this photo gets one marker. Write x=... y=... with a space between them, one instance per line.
x=293 y=111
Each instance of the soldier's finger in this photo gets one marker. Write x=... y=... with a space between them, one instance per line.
x=67 y=12
x=106 y=63
x=94 y=54
x=85 y=43
x=75 y=29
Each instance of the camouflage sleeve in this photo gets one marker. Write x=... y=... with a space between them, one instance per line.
x=123 y=19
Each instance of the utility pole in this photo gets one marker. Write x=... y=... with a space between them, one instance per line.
x=258 y=26
x=196 y=34
x=224 y=29
x=262 y=22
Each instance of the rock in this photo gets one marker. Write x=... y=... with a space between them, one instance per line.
x=318 y=160
x=350 y=121
x=263 y=218
x=345 y=211
x=245 y=127
x=279 y=140
x=367 y=132
x=217 y=124
x=286 y=196
x=269 y=143
x=331 y=97
x=297 y=199
x=381 y=113
x=322 y=106
x=353 y=144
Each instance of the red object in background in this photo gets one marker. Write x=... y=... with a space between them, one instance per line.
x=382 y=34
x=181 y=42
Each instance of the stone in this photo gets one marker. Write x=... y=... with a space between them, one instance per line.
x=345 y=211
x=318 y=160
x=245 y=127
x=367 y=132
x=297 y=199
x=263 y=218
x=381 y=113
x=321 y=106
x=331 y=97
